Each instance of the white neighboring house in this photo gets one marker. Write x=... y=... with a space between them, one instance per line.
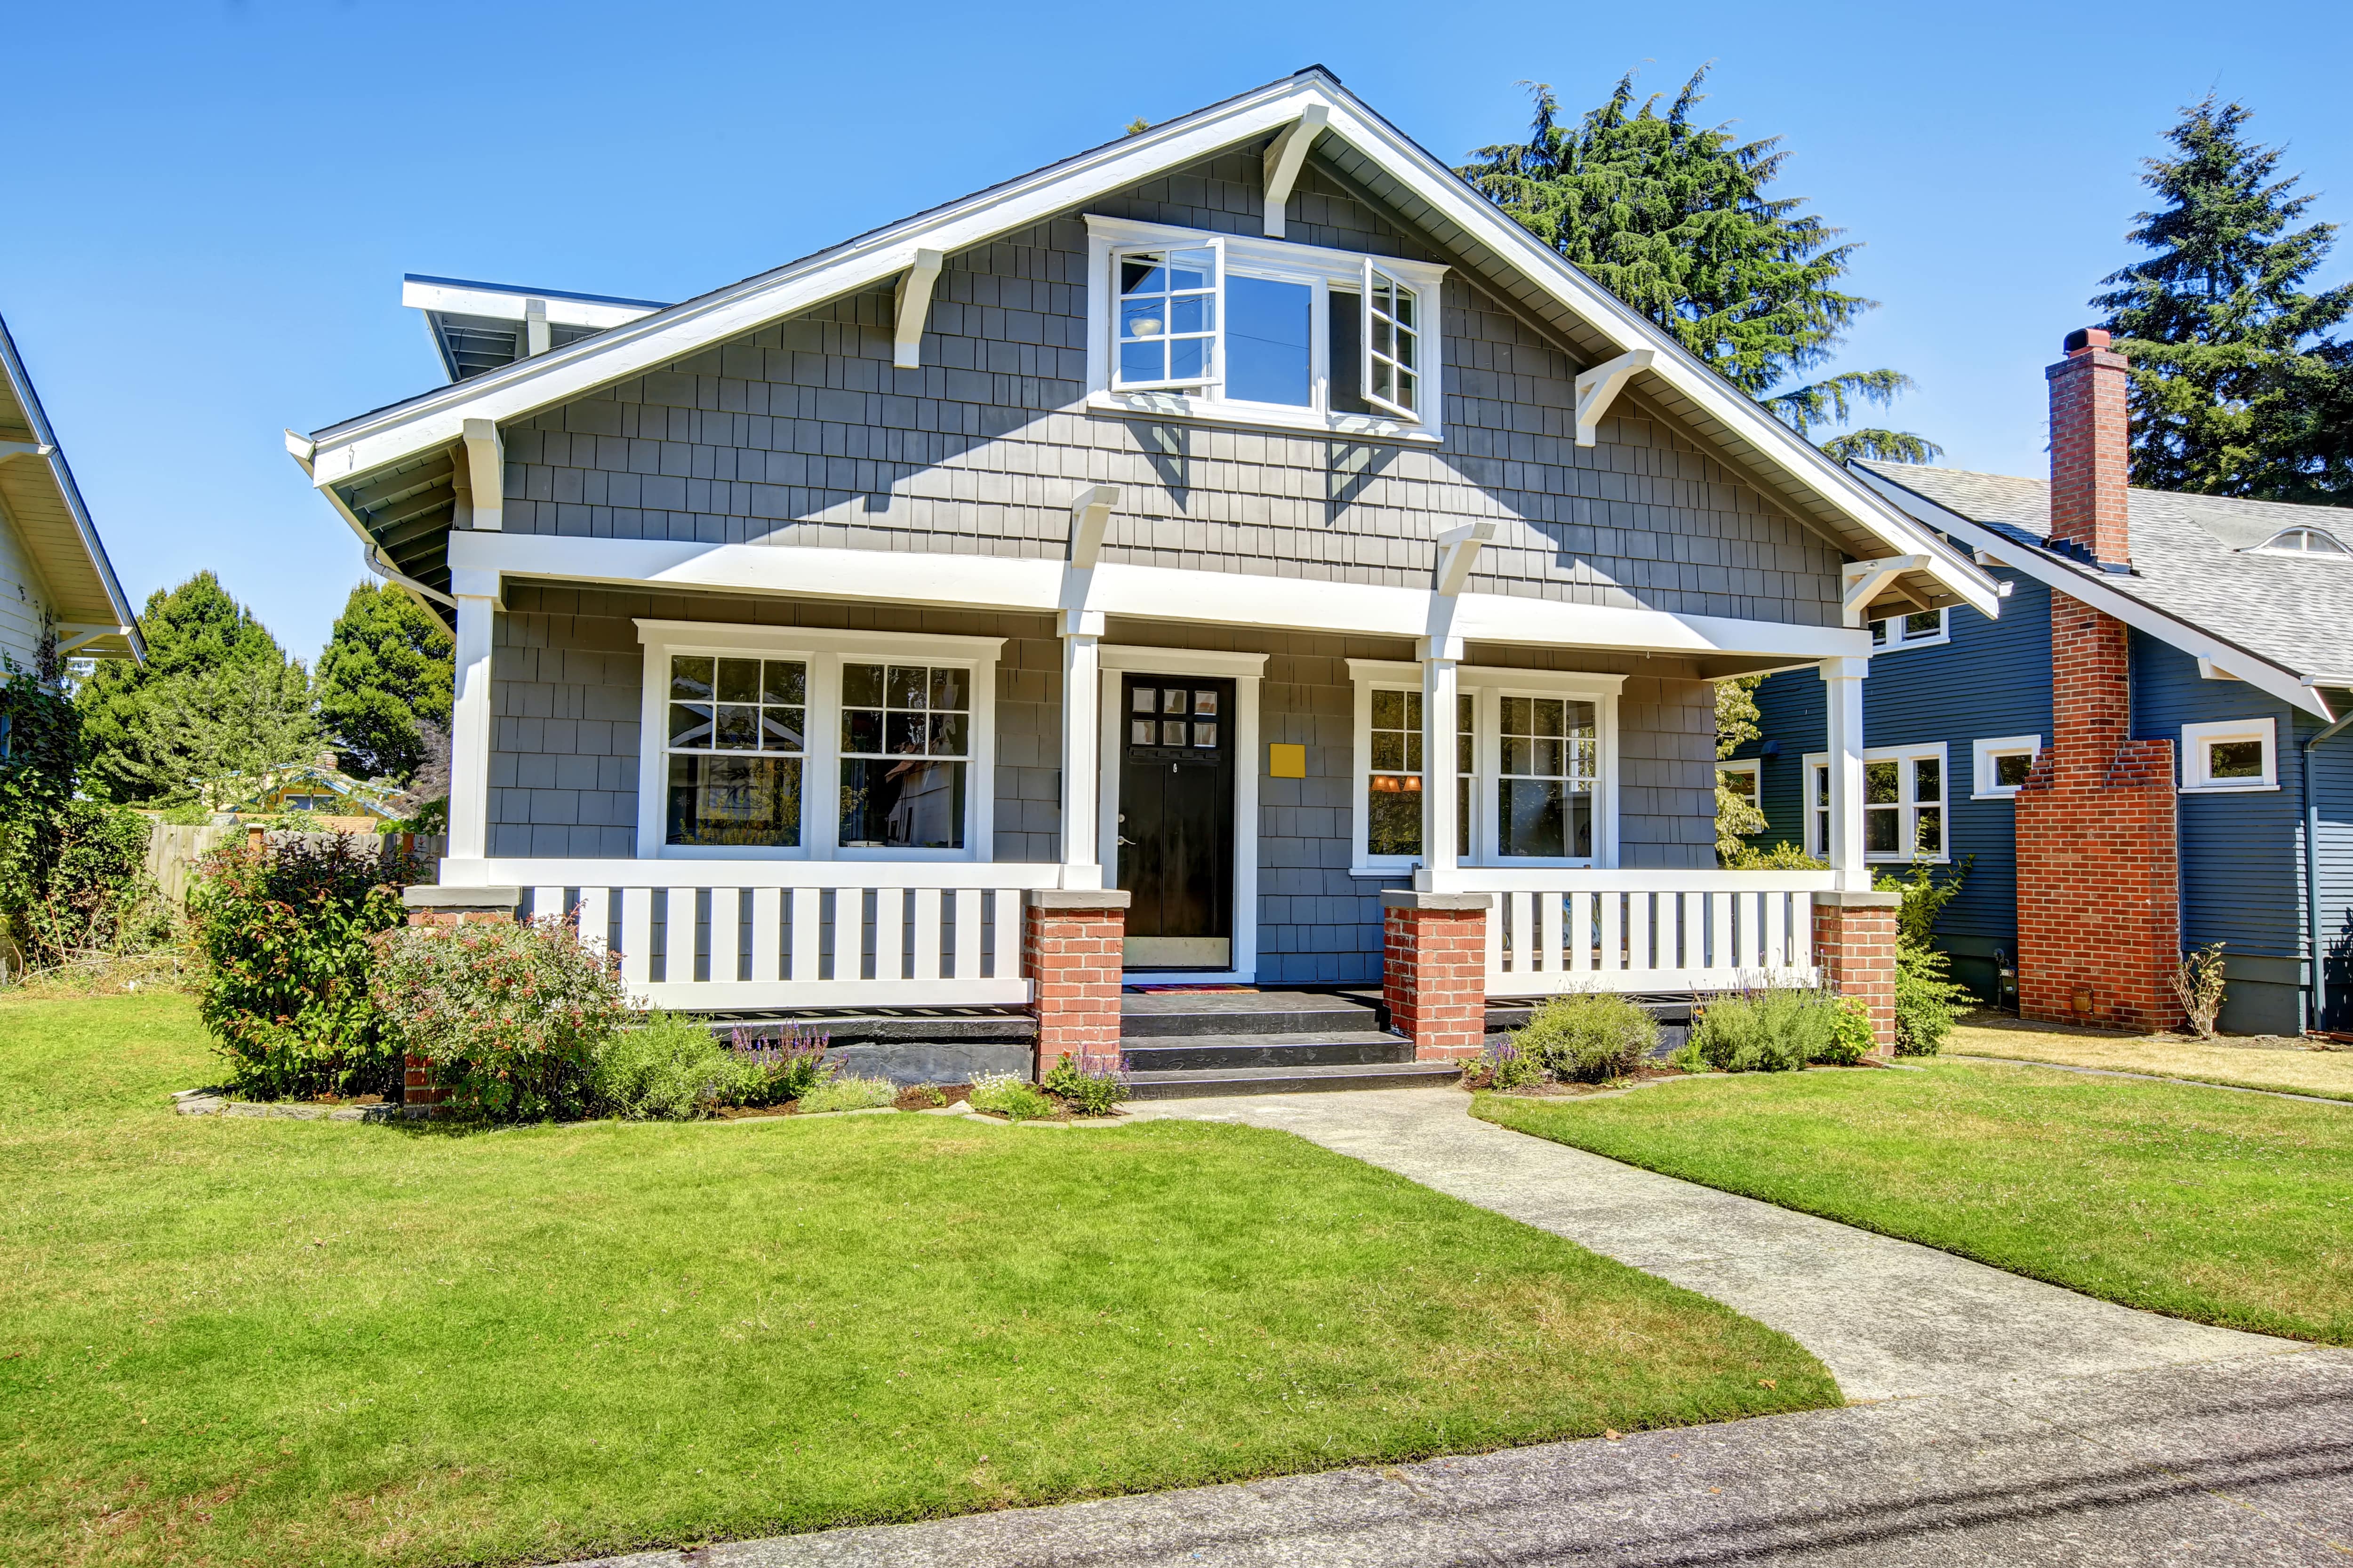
x=54 y=573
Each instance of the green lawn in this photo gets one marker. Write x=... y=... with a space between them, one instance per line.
x=2225 y=1208
x=247 y=1341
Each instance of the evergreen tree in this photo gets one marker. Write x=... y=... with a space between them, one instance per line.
x=387 y=671
x=2236 y=388
x=212 y=670
x=1672 y=216
x=1737 y=816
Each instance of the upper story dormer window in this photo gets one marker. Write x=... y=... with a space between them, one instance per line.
x=2304 y=542
x=1259 y=332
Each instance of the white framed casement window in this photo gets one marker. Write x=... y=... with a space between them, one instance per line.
x=1999 y=767
x=1922 y=628
x=1244 y=330
x=2230 y=756
x=1534 y=759
x=1905 y=793
x=803 y=744
x=1741 y=777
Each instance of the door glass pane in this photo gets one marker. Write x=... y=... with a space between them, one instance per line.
x=1267 y=327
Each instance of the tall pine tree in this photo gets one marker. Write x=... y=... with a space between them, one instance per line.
x=2237 y=389
x=1673 y=217
x=217 y=694
x=388 y=673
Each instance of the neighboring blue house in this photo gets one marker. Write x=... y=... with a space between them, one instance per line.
x=2239 y=625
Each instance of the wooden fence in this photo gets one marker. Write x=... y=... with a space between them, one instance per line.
x=174 y=852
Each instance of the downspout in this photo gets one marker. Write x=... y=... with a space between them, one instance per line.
x=2312 y=877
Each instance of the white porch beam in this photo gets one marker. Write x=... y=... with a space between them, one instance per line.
x=1598 y=388
x=1090 y=515
x=1442 y=665
x=470 y=723
x=536 y=338
x=1865 y=579
x=75 y=635
x=11 y=450
x=1285 y=157
x=486 y=474
x=1081 y=747
x=913 y=308
x=1458 y=552
x=1842 y=691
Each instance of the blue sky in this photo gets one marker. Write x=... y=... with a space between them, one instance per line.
x=213 y=204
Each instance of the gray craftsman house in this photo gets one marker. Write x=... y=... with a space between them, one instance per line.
x=1150 y=522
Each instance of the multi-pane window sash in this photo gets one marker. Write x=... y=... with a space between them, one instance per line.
x=735 y=748
x=1393 y=781
x=1904 y=631
x=1551 y=756
x=1392 y=343
x=1902 y=806
x=906 y=738
x=1169 y=314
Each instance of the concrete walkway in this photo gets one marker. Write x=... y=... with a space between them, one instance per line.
x=1890 y=1319
x=1999 y=1421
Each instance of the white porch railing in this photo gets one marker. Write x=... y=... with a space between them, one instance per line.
x=725 y=934
x=1553 y=932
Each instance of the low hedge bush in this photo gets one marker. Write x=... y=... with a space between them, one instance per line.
x=849 y=1094
x=670 y=1068
x=1591 y=1037
x=1015 y=1099
x=512 y=1018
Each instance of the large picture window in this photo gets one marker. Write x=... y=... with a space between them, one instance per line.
x=1531 y=768
x=1262 y=330
x=810 y=742
x=734 y=744
x=906 y=733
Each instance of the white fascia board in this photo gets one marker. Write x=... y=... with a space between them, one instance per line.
x=2086 y=586
x=686 y=329
x=512 y=305
x=682 y=330
x=1152 y=593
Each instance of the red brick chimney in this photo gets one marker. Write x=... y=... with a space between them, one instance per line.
x=2090 y=450
x=2099 y=917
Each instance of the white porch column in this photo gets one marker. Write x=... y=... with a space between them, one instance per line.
x=1842 y=690
x=471 y=722
x=1081 y=747
x=1441 y=663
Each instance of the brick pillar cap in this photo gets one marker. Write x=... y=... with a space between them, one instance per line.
x=1077 y=897
x=1839 y=901
x=1406 y=898
x=424 y=897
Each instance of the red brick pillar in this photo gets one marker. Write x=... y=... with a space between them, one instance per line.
x=1434 y=971
x=1071 y=940
x=1854 y=944
x=434 y=906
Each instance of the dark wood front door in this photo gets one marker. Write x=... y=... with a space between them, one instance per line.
x=1176 y=821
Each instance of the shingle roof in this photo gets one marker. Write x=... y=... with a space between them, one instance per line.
x=2191 y=560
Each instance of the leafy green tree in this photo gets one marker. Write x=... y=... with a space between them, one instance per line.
x=215 y=694
x=1737 y=816
x=2236 y=390
x=1673 y=217
x=388 y=670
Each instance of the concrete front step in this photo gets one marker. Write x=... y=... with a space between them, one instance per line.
x=1166 y=1014
x=1193 y=1083
x=1192 y=1053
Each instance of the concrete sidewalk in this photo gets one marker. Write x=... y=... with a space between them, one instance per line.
x=1890 y=1319
x=2242 y=1462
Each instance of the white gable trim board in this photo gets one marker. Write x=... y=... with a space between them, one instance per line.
x=347 y=451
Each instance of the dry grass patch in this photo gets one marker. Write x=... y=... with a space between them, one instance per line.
x=2271 y=1063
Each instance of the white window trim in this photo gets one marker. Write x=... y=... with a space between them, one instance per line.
x=1982 y=754
x=2195 y=738
x=825 y=652
x=1259 y=256
x=1487 y=687
x=1907 y=830
x=1897 y=642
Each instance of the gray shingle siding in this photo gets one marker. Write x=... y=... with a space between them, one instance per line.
x=567 y=673
x=804 y=434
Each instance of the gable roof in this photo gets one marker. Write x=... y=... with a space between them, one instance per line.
x=37 y=490
x=398 y=449
x=2198 y=581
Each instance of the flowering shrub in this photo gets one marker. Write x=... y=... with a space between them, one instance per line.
x=1588 y=1037
x=1086 y=1091
x=510 y=1017
x=285 y=930
x=774 y=1071
x=1014 y=1098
